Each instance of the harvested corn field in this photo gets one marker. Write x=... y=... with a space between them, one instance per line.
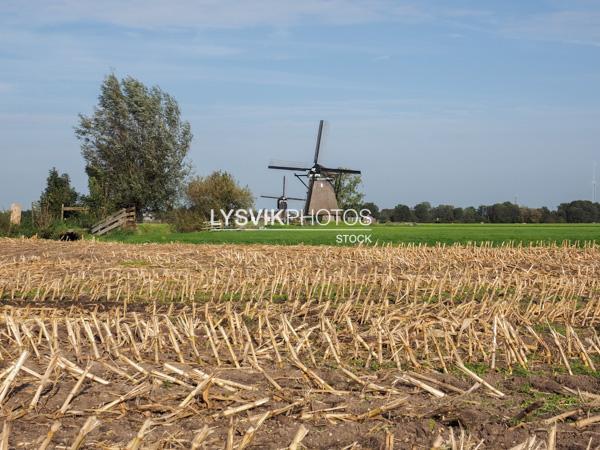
x=180 y=346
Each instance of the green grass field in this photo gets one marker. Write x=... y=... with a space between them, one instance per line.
x=381 y=234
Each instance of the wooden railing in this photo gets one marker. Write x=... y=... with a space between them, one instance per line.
x=212 y=226
x=63 y=209
x=123 y=218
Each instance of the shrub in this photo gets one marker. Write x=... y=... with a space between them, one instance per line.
x=184 y=220
x=5 y=227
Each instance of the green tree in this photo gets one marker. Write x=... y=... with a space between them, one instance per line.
x=579 y=211
x=531 y=215
x=402 y=213
x=506 y=212
x=135 y=146
x=549 y=216
x=58 y=192
x=443 y=213
x=347 y=191
x=423 y=212
x=471 y=215
x=373 y=209
x=458 y=214
x=217 y=191
x=385 y=215
x=98 y=199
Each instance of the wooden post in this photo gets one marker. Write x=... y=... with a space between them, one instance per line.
x=62 y=212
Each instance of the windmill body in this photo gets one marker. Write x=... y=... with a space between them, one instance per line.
x=320 y=197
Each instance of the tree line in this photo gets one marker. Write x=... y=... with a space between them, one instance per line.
x=578 y=211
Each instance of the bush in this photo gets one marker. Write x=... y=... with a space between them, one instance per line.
x=5 y=227
x=26 y=228
x=185 y=221
x=44 y=229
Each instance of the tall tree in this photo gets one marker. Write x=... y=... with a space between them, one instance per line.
x=347 y=190
x=135 y=146
x=58 y=192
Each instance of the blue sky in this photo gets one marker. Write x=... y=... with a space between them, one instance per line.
x=463 y=102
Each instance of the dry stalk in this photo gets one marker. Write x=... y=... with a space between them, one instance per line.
x=5 y=435
x=480 y=380
x=238 y=409
x=382 y=409
x=298 y=437
x=90 y=424
x=137 y=441
x=48 y=439
x=73 y=391
x=44 y=380
x=5 y=388
x=201 y=437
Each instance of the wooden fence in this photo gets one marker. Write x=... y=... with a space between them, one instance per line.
x=123 y=218
x=212 y=226
x=64 y=208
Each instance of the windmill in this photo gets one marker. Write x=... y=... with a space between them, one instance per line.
x=282 y=200
x=320 y=196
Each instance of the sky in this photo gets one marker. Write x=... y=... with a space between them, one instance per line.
x=462 y=102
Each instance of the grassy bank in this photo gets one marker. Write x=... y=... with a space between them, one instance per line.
x=420 y=234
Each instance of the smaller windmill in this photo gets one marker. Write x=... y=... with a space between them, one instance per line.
x=282 y=200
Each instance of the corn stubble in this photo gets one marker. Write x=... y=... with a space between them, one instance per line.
x=211 y=346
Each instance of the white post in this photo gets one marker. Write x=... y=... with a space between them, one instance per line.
x=15 y=214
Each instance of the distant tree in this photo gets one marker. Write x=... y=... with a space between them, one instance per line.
x=579 y=211
x=373 y=209
x=506 y=212
x=531 y=215
x=483 y=213
x=58 y=192
x=217 y=191
x=423 y=212
x=135 y=146
x=470 y=215
x=458 y=214
x=385 y=215
x=347 y=191
x=549 y=216
x=443 y=213
x=402 y=213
